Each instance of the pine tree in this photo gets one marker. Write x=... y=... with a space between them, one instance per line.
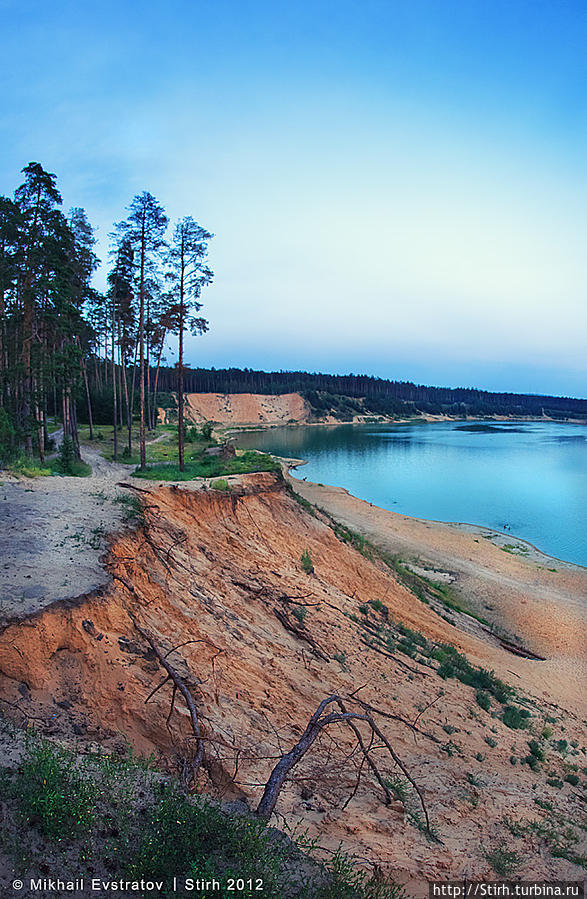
x=144 y=230
x=188 y=274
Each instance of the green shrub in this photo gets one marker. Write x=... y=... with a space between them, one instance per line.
x=572 y=779
x=483 y=699
x=378 y=606
x=491 y=742
x=300 y=613
x=398 y=786
x=66 y=454
x=445 y=670
x=221 y=484
x=515 y=718
x=503 y=861
x=536 y=750
x=306 y=560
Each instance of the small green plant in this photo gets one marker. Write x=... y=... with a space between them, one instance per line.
x=483 y=699
x=503 y=861
x=221 y=484
x=378 y=606
x=572 y=779
x=341 y=659
x=536 y=750
x=66 y=456
x=491 y=742
x=306 y=560
x=52 y=794
x=513 y=760
x=398 y=786
x=300 y=613
x=515 y=718
x=133 y=508
x=479 y=756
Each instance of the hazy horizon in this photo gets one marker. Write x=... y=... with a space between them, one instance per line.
x=395 y=188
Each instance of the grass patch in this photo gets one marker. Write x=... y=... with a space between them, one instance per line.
x=133 y=508
x=120 y=819
x=503 y=861
x=75 y=468
x=210 y=467
x=53 y=795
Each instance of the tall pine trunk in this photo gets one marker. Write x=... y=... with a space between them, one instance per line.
x=180 y=431
x=142 y=355
x=114 y=386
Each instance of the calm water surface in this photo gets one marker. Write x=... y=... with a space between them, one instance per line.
x=531 y=476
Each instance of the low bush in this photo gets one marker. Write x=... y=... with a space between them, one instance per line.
x=483 y=699
x=515 y=718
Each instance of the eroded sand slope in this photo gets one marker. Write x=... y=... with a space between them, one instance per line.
x=215 y=578
x=245 y=408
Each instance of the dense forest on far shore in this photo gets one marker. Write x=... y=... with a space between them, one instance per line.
x=327 y=393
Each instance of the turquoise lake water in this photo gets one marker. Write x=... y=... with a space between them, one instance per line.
x=530 y=476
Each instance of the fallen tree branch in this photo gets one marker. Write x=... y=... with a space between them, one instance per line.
x=300 y=633
x=178 y=684
x=317 y=723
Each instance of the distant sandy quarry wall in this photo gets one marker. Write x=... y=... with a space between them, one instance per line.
x=246 y=408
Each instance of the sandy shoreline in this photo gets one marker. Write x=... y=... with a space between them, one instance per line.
x=543 y=605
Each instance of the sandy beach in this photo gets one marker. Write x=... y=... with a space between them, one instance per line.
x=538 y=600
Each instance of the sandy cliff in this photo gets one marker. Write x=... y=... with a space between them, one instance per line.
x=215 y=579
x=245 y=408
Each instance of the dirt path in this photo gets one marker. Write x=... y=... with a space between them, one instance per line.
x=53 y=535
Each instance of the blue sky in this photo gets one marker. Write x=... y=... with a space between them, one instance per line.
x=395 y=187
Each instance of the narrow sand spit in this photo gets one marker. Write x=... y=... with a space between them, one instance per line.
x=541 y=601
x=53 y=535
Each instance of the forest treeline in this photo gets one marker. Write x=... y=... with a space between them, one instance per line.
x=63 y=344
x=377 y=395
x=70 y=353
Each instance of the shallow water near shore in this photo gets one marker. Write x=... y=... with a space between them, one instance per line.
x=527 y=479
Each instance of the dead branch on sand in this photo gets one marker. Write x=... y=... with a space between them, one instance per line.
x=320 y=720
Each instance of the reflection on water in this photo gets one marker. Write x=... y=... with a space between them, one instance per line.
x=529 y=476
